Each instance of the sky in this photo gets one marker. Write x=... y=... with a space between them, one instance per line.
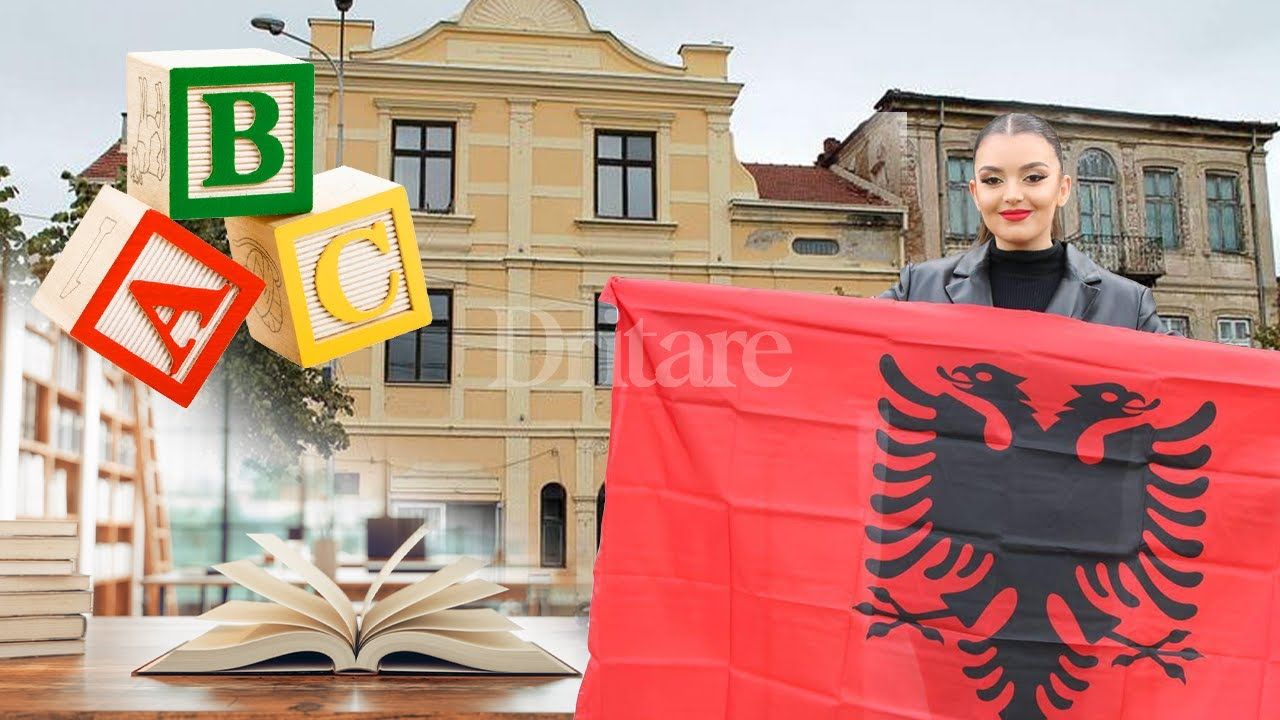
x=811 y=68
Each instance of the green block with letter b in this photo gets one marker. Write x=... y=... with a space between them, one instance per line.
x=220 y=133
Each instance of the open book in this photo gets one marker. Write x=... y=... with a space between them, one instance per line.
x=416 y=629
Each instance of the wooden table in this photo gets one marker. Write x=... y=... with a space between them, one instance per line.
x=99 y=683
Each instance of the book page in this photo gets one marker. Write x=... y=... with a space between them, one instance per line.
x=391 y=564
x=406 y=596
x=273 y=588
x=460 y=620
x=228 y=647
x=459 y=594
x=496 y=652
x=322 y=583
x=263 y=613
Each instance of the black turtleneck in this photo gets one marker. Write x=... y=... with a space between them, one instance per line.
x=1025 y=279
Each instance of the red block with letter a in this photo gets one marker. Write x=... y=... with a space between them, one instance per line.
x=148 y=295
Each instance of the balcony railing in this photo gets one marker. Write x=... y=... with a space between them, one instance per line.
x=1134 y=256
x=952 y=244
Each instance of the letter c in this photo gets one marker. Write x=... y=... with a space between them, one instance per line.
x=329 y=284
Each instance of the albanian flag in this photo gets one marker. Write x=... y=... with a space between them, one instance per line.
x=823 y=507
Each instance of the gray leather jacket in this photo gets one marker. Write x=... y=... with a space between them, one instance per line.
x=1086 y=292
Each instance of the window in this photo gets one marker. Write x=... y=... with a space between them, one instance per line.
x=606 y=328
x=814 y=246
x=1235 y=331
x=30 y=410
x=1180 y=324
x=962 y=214
x=346 y=483
x=599 y=514
x=422 y=161
x=1096 y=186
x=1159 y=185
x=1222 y=193
x=37 y=356
x=553 y=524
x=69 y=355
x=423 y=355
x=625 y=182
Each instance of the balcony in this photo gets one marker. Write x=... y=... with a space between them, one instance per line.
x=953 y=244
x=1136 y=257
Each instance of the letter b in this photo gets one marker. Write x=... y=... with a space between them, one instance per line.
x=223 y=135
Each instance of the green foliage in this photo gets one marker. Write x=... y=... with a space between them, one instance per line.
x=12 y=237
x=1268 y=336
x=287 y=409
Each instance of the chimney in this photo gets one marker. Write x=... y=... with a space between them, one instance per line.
x=324 y=33
x=827 y=157
x=124 y=129
x=708 y=61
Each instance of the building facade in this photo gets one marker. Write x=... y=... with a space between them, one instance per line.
x=1177 y=203
x=543 y=156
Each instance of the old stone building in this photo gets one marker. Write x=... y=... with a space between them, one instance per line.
x=543 y=156
x=1177 y=203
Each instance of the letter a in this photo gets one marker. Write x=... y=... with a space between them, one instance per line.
x=180 y=299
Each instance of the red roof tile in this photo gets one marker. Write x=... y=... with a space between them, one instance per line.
x=106 y=167
x=807 y=183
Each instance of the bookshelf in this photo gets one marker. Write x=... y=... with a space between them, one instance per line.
x=83 y=422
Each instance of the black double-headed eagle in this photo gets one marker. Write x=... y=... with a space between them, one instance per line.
x=1034 y=517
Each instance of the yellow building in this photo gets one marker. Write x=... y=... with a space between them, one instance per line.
x=543 y=157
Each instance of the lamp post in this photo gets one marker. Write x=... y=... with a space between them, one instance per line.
x=275 y=26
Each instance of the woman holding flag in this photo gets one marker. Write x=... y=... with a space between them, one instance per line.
x=1019 y=261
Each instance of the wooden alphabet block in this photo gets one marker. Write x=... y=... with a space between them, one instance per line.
x=345 y=276
x=148 y=295
x=216 y=133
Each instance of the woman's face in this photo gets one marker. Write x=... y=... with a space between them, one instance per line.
x=1018 y=184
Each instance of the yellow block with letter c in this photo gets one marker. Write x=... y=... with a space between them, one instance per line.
x=329 y=284
x=351 y=270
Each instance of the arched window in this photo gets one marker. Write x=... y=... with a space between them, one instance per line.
x=553 y=524
x=1096 y=188
x=599 y=514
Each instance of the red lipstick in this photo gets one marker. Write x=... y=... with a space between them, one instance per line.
x=1014 y=215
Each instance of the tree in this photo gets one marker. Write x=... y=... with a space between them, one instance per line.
x=1268 y=336
x=290 y=409
x=12 y=237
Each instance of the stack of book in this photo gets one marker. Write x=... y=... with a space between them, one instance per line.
x=41 y=596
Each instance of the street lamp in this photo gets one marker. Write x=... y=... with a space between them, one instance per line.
x=275 y=26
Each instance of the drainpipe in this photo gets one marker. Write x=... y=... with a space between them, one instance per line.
x=1253 y=224
x=942 y=178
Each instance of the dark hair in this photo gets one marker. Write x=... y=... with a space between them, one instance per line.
x=1014 y=124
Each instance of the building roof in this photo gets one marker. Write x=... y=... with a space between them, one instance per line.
x=107 y=167
x=905 y=100
x=806 y=183
x=896 y=99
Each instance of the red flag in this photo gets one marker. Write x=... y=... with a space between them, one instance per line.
x=824 y=507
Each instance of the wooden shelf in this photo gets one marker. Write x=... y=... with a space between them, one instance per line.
x=71 y=397
x=110 y=467
x=118 y=527
x=53 y=414
x=112 y=580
